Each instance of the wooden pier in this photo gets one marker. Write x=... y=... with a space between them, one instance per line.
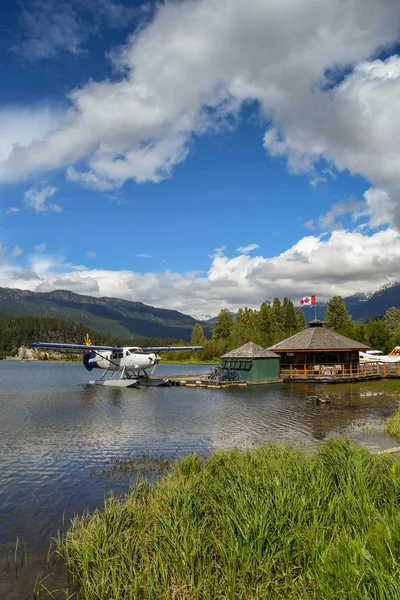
x=202 y=381
x=344 y=373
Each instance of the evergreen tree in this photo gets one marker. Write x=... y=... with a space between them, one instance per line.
x=289 y=317
x=392 y=319
x=277 y=320
x=198 y=338
x=337 y=316
x=266 y=323
x=378 y=335
x=245 y=328
x=223 y=325
x=300 y=320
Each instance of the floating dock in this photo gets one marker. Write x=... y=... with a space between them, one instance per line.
x=203 y=381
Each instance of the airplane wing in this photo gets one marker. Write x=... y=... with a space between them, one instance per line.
x=167 y=348
x=74 y=347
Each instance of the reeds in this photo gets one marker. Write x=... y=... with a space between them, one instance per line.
x=393 y=425
x=263 y=524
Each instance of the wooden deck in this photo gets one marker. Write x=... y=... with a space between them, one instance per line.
x=203 y=381
x=340 y=373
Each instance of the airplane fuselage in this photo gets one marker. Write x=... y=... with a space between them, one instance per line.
x=132 y=359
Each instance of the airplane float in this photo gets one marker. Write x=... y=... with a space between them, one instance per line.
x=124 y=361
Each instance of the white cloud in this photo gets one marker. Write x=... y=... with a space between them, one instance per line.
x=189 y=71
x=357 y=263
x=20 y=127
x=91 y=254
x=247 y=249
x=380 y=206
x=217 y=252
x=355 y=208
x=37 y=199
x=40 y=247
x=49 y=28
x=143 y=255
x=53 y=26
x=17 y=251
x=12 y=210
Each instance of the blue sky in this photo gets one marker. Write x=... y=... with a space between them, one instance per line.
x=201 y=154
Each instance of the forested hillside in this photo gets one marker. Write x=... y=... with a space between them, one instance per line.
x=112 y=316
x=22 y=331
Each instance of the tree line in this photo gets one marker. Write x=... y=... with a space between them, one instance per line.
x=272 y=322
x=276 y=321
x=22 y=331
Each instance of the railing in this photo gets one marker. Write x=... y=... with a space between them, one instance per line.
x=340 y=372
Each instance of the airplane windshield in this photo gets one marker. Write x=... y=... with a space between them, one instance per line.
x=136 y=350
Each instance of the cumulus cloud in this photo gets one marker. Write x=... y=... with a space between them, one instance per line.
x=20 y=127
x=12 y=210
x=37 y=199
x=306 y=65
x=40 y=247
x=357 y=263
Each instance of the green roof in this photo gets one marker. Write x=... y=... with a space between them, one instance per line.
x=250 y=350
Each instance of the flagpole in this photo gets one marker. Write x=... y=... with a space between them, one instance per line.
x=315 y=306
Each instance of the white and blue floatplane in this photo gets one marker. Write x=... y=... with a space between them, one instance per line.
x=124 y=366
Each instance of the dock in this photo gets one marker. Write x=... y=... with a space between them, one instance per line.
x=204 y=381
x=342 y=373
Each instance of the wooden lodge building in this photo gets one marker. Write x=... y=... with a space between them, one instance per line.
x=319 y=353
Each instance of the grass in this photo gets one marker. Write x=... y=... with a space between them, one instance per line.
x=268 y=523
x=393 y=425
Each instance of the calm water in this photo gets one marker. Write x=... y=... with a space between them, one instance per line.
x=56 y=431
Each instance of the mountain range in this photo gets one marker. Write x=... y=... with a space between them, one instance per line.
x=363 y=306
x=117 y=317
x=126 y=319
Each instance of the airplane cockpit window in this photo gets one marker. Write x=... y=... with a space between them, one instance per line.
x=136 y=350
x=120 y=355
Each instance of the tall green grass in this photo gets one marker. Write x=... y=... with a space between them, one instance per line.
x=263 y=524
x=393 y=425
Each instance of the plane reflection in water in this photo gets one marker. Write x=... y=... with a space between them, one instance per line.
x=122 y=365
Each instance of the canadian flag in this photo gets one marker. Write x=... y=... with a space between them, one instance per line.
x=307 y=301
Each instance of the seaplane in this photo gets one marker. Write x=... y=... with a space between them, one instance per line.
x=379 y=357
x=124 y=366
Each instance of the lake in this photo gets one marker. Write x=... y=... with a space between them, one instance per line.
x=58 y=434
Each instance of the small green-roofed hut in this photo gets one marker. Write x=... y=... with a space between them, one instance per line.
x=254 y=363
